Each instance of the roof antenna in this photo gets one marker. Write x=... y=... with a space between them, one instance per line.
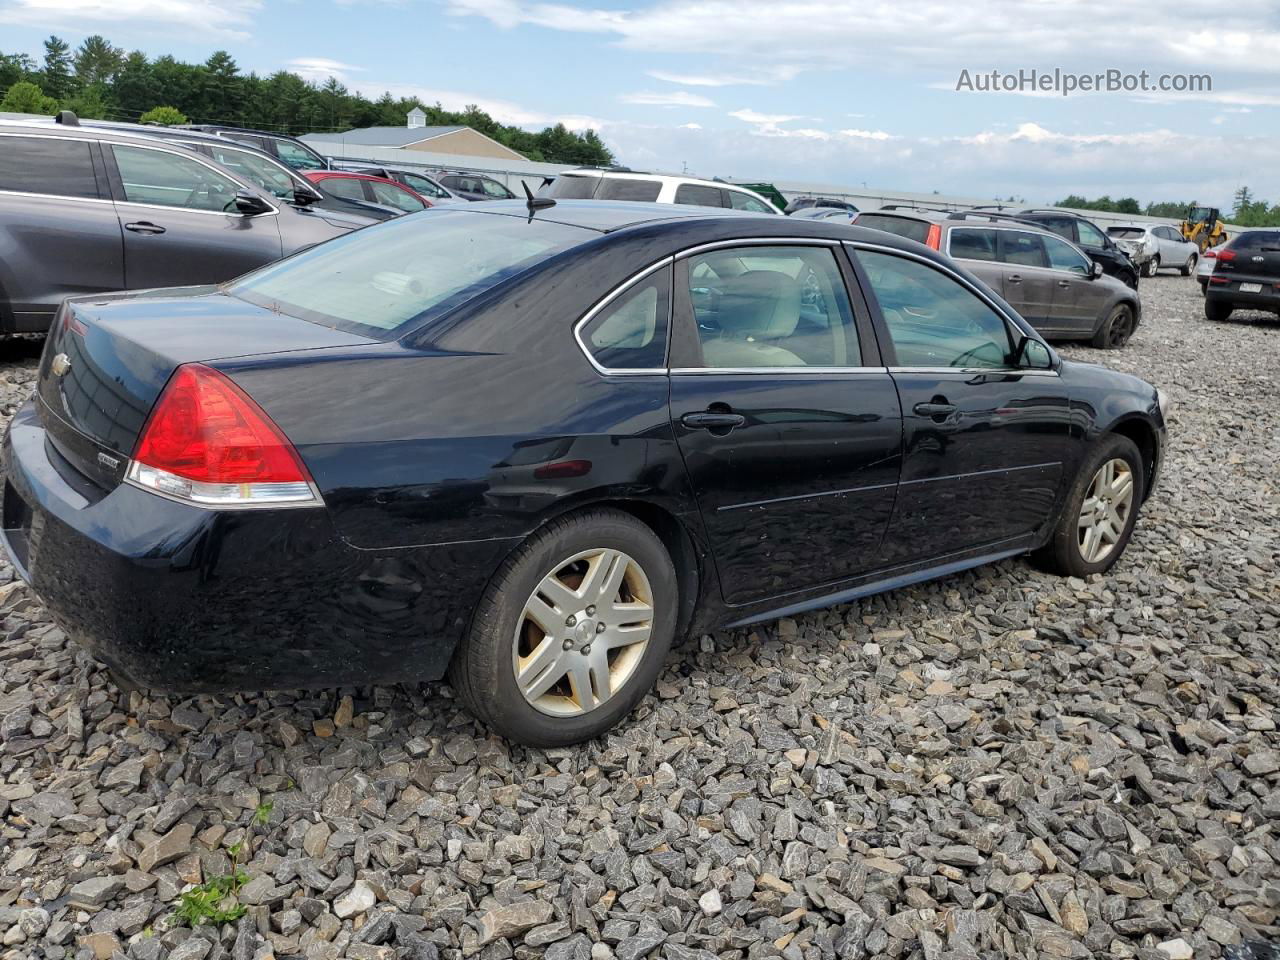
x=535 y=203
x=67 y=118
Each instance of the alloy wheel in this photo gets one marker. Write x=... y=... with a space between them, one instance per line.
x=1105 y=512
x=1121 y=329
x=582 y=632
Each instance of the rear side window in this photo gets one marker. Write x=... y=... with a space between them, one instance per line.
x=1022 y=249
x=393 y=196
x=620 y=188
x=696 y=195
x=57 y=167
x=422 y=185
x=630 y=332
x=917 y=230
x=973 y=244
x=571 y=188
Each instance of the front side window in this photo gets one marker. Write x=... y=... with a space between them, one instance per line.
x=424 y=186
x=969 y=244
x=166 y=179
x=933 y=320
x=48 y=165
x=1063 y=256
x=1090 y=235
x=630 y=332
x=783 y=306
x=1022 y=249
x=297 y=156
x=697 y=195
x=268 y=175
x=382 y=283
x=744 y=201
x=394 y=196
x=623 y=188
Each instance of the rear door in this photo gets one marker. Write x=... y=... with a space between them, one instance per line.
x=1028 y=283
x=59 y=236
x=1078 y=298
x=978 y=249
x=179 y=220
x=789 y=427
x=984 y=442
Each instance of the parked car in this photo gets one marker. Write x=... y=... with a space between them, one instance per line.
x=596 y=183
x=1090 y=238
x=289 y=150
x=1151 y=246
x=1050 y=282
x=1204 y=267
x=583 y=432
x=809 y=203
x=90 y=209
x=361 y=186
x=474 y=186
x=1246 y=274
x=421 y=184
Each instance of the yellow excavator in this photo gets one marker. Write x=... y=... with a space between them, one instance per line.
x=1203 y=227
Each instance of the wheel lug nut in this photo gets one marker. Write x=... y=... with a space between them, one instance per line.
x=571 y=621
x=568 y=644
x=586 y=649
x=599 y=628
x=591 y=611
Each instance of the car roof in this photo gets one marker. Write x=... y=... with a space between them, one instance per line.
x=343 y=175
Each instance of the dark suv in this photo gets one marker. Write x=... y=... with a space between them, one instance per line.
x=86 y=210
x=1090 y=238
x=289 y=150
x=1246 y=274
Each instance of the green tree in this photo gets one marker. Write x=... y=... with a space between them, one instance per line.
x=14 y=67
x=163 y=116
x=97 y=61
x=55 y=76
x=25 y=97
x=1128 y=205
x=89 y=103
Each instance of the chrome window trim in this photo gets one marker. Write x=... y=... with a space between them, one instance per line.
x=184 y=154
x=952 y=230
x=773 y=371
x=979 y=371
x=757 y=242
x=52 y=196
x=609 y=298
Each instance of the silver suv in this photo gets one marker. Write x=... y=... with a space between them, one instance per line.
x=86 y=210
x=1047 y=279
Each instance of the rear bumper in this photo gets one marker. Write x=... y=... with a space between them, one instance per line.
x=1267 y=299
x=175 y=597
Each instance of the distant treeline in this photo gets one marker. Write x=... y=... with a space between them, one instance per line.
x=101 y=81
x=1246 y=211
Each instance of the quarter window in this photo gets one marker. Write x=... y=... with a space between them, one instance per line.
x=742 y=201
x=168 y=180
x=933 y=320
x=782 y=306
x=630 y=332
x=1022 y=249
x=697 y=195
x=973 y=244
x=57 y=167
x=1063 y=256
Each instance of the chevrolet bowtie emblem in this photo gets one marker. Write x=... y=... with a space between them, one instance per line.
x=61 y=364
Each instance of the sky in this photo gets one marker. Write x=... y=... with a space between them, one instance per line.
x=821 y=91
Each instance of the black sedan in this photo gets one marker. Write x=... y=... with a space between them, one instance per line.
x=529 y=447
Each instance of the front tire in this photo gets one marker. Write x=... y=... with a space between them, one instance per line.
x=1098 y=517
x=1189 y=267
x=1217 y=310
x=571 y=632
x=1116 y=329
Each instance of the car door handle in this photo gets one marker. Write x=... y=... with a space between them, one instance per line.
x=1064 y=283
x=144 y=226
x=713 y=421
x=1016 y=278
x=936 y=410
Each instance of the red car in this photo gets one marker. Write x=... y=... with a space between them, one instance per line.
x=369 y=189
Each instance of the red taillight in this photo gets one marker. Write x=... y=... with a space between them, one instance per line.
x=1210 y=254
x=207 y=441
x=934 y=239
x=1219 y=280
x=1227 y=255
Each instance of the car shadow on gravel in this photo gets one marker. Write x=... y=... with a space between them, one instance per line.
x=16 y=348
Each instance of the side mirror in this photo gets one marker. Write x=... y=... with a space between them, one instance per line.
x=305 y=196
x=1033 y=355
x=1096 y=272
x=250 y=205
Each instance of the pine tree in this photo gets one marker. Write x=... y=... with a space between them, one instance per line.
x=55 y=78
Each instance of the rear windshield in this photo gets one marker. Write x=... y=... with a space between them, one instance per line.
x=917 y=230
x=1125 y=233
x=571 y=188
x=1256 y=240
x=383 y=281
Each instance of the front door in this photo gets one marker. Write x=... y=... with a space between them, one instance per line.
x=179 y=221
x=984 y=442
x=1078 y=298
x=791 y=443
x=1028 y=281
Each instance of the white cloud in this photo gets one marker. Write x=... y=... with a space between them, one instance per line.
x=504 y=111
x=690 y=126
x=319 y=69
x=762 y=78
x=867 y=135
x=676 y=98
x=224 y=18
x=763 y=119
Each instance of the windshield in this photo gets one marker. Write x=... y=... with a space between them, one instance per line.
x=381 y=282
x=1200 y=214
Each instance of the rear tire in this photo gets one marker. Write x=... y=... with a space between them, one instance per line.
x=1151 y=266
x=507 y=652
x=1070 y=547
x=1189 y=267
x=1217 y=310
x=1116 y=330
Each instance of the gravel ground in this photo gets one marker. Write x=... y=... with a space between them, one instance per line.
x=996 y=764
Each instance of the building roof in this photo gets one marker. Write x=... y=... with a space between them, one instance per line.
x=386 y=136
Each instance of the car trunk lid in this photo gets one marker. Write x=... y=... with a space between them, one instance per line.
x=108 y=358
